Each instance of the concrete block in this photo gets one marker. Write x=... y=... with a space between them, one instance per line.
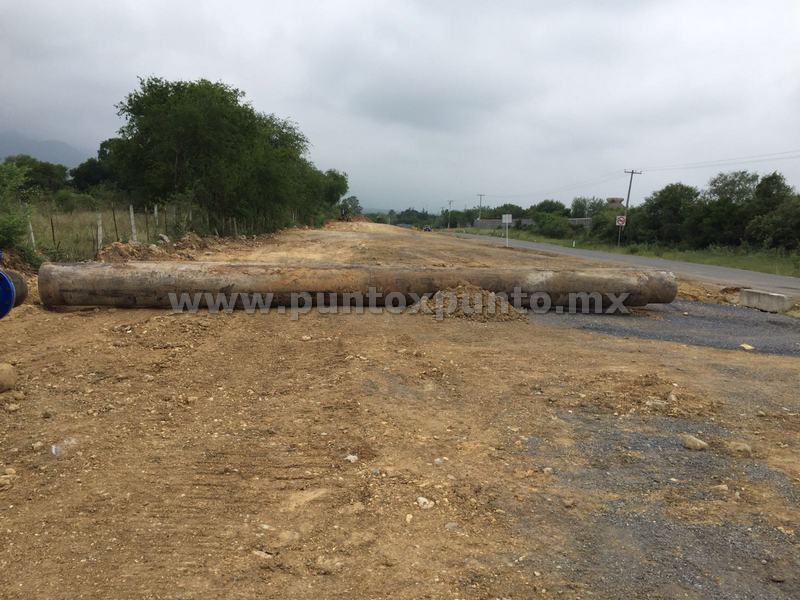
x=766 y=301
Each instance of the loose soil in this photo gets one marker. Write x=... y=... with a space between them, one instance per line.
x=154 y=455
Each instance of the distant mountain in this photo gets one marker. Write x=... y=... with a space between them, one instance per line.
x=13 y=142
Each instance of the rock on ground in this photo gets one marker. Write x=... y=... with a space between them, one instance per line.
x=692 y=443
x=8 y=377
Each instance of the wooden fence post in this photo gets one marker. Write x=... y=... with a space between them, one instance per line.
x=134 y=237
x=99 y=231
x=114 y=214
x=30 y=232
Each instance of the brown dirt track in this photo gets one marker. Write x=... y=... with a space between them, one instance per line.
x=206 y=453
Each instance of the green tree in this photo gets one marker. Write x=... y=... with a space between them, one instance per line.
x=200 y=142
x=517 y=212
x=40 y=174
x=722 y=216
x=335 y=186
x=779 y=228
x=595 y=206
x=549 y=206
x=552 y=224
x=349 y=207
x=13 y=180
x=13 y=214
x=736 y=187
x=770 y=193
x=180 y=134
x=89 y=174
x=580 y=208
x=417 y=218
x=663 y=214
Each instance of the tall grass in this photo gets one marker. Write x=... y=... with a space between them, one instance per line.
x=73 y=235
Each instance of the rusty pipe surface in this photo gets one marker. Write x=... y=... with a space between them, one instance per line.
x=149 y=284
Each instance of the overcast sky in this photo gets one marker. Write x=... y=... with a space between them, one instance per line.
x=425 y=102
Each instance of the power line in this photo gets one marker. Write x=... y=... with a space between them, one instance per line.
x=603 y=178
x=480 y=204
x=750 y=158
x=721 y=163
x=599 y=179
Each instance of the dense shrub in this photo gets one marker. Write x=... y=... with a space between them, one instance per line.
x=12 y=228
x=552 y=225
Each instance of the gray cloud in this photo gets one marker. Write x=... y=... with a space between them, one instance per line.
x=425 y=102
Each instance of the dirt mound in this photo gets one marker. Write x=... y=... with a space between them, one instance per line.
x=121 y=252
x=356 y=219
x=192 y=241
x=704 y=292
x=13 y=261
x=469 y=302
x=364 y=226
x=622 y=391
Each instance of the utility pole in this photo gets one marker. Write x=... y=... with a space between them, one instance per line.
x=627 y=202
x=480 y=204
x=449 y=210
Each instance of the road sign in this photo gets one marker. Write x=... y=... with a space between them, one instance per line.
x=507 y=221
x=621 y=221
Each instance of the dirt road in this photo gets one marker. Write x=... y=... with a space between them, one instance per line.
x=375 y=456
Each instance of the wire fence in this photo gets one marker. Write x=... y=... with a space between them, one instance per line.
x=79 y=235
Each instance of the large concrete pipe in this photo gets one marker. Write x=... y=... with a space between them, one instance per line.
x=20 y=286
x=149 y=284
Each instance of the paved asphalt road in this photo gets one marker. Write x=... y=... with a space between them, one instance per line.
x=695 y=323
x=724 y=276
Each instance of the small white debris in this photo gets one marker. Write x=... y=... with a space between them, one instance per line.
x=692 y=443
x=424 y=503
